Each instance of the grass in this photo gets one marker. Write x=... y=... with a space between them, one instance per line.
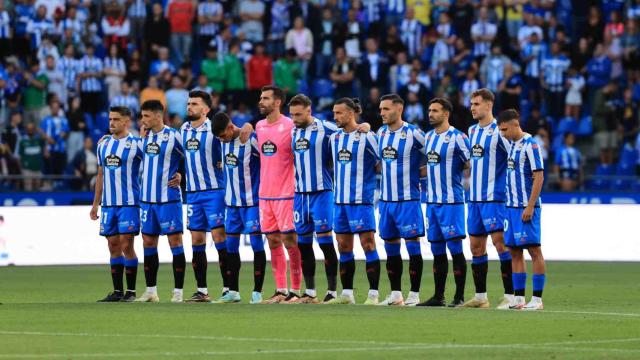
x=50 y=312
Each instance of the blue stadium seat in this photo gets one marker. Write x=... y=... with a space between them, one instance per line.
x=628 y=156
x=567 y=124
x=585 y=127
x=626 y=172
x=303 y=87
x=599 y=183
x=321 y=88
x=88 y=119
x=102 y=121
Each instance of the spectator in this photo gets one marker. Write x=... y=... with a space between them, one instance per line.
x=638 y=155
x=71 y=25
x=581 y=54
x=35 y=94
x=6 y=30
x=342 y=74
x=440 y=57
x=300 y=39
x=153 y=92
x=210 y=16
x=47 y=49
x=414 y=111
x=181 y=14
x=114 y=70
x=554 y=68
x=157 y=32
x=213 y=68
x=115 y=27
x=462 y=61
x=252 y=14
x=399 y=73
x=202 y=84
x=24 y=12
x=352 y=43
x=573 y=101
x=56 y=79
x=462 y=14
x=69 y=67
x=492 y=68
x=599 y=72
x=326 y=42
x=91 y=76
x=31 y=151
x=537 y=124
x=287 y=72
x=483 y=33
x=630 y=43
x=374 y=70
x=605 y=122
x=222 y=41
x=241 y=116
x=279 y=25
x=392 y=44
x=55 y=129
x=469 y=85
x=77 y=128
x=136 y=70
x=177 y=97
x=630 y=120
x=411 y=32
x=527 y=30
x=39 y=26
x=416 y=87
x=371 y=113
x=11 y=133
x=510 y=89
x=568 y=164
x=126 y=98
x=137 y=15
x=235 y=83
x=259 y=72
x=85 y=166
x=595 y=27
x=532 y=55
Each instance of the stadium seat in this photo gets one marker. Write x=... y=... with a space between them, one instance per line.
x=625 y=172
x=102 y=122
x=585 y=127
x=303 y=87
x=628 y=156
x=321 y=88
x=566 y=124
x=601 y=182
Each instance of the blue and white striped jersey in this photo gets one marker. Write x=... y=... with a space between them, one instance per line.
x=554 y=69
x=203 y=157
x=489 y=152
x=568 y=158
x=495 y=72
x=525 y=157
x=37 y=28
x=69 y=68
x=402 y=154
x=116 y=64
x=5 y=24
x=242 y=172
x=209 y=9
x=162 y=154
x=137 y=9
x=129 y=101
x=120 y=160
x=55 y=127
x=312 y=156
x=90 y=65
x=447 y=154
x=536 y=52
x=355 y=156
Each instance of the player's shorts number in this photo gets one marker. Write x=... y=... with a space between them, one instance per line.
x=143 y=215
x=296 y=216
x=506 y=225
x=104 y=217
x=189 y=210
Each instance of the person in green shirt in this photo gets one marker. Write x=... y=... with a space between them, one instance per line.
x=35 y=95
x=214 y=69
x=31 y=151
x=287 y=72
x=236 y=84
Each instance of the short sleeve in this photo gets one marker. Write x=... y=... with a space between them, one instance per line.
x=178 y=143
x=419 y=143
x=99 y=153
x=329 y=127
x=463 y=146
x=534 y=155
x=372 y=145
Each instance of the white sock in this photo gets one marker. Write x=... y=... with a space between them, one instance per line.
x=333 y=293
x=131 y=291
x=225 y=289
x=413 y=293
x=204 y=291
x=232 y=292
x=296 y=291
x=509 y=297
x=536 y=299
x=152 y=289
x=347 y=292
x=177 y=291
x=284 y=291
x=520 y=299
x=310 y=292
x=396 y=294
x=481 y=296
x=373 y=293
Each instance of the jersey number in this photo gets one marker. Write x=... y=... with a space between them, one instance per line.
x=143 y=216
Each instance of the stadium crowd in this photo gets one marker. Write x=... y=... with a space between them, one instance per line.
x=572 y=68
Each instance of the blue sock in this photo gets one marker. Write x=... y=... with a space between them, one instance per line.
x=131 y=262
x=505 y=256
x=256 y=242
x=117 y=261
x=519 y=283
x=538 y=284
x=221 y=245
x=371 y=255
x=177 y=250
x=455 y=247
x=392 y=249
x=150 y=251
x=305 y=239
x=346 y=256
x=438 y=248
x=477 y=260
x=413 y=247
x=233 y=244
x=326 y=239
x=199 y=248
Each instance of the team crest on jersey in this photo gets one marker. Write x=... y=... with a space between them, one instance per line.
x=433 y=158
x=511 y=164
x=356 y=137
x=519 y=146
x=165 y=136
x=313 y=127
x=127 y=145
x=112 y=161
x=344 y=156
x=447 y=139
x=231 y=160
x=477 y=151
x=269 y=148
x=302 y=145
x=152 y=149
x=193 y=145
x=389 y=154
x=490 y=132
x=403 y=135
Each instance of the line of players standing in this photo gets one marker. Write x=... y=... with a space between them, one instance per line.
x=293 y=178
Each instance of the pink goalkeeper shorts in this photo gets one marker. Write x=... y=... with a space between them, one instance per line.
x=276 y=216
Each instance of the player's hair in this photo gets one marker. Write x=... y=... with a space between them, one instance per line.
x=219 y=122
x=444 y=102
x=277 y=92
x=206 y=98
x=485 y=94
x=351 y=103
x=394 y=98
x=300 y=99
x=508 y=115
x=152 y=105
x=122 y=110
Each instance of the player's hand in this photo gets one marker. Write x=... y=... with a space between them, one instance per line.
x=175 y=181
x=527 y=214
x=364 y=127
x=245 y=132
x=93 y=214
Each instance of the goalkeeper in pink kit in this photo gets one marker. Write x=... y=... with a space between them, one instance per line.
x=276 y=191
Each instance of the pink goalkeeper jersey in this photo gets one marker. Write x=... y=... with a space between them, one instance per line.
x=276 y=159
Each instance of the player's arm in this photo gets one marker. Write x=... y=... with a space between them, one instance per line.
x=538 y=180
x=245 y=132
x=98 y=195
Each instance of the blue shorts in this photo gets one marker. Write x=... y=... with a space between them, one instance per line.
x=353 y=219
x=568 y=174
x=161 y=219
x=484 y=218
x=445 y=222
x=242 y=220
x=205 y=210
x=313 y=212
x=401 y=219
x=119 y=220
x=518 y=234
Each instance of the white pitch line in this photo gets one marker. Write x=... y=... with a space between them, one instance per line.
x=590 y=313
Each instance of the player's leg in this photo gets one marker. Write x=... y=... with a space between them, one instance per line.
x=170 y=216
x=214 y=209
x=278 y=266
x=347 y=269
x=479 y=261
x=440 y=261
x=519 y=277
x=304 y=228
x=322 y=209
x=532 y=229
x=250 y=220
x=150 y=233
x=284 y=215
x=116 y=261
x=459 y=270
x=368 y=243
x=199 y=263
x=130 y=266
x=411 y=222
x=232 y=269
x=391 y=236
x=497 y=213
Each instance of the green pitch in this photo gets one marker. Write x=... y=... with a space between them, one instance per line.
x=591 y=311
